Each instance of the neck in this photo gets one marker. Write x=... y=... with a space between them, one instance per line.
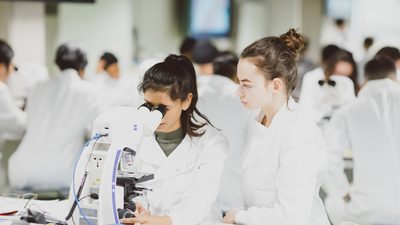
x=206 y=69
x=271 y=110
x=2 y=79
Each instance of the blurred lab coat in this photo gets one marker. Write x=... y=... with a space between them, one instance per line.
x=220 y=104
x=12 y=122
x=186 y=183
x=24 y=80
x=281 y=171
x=12 y=118
x=370 y=127
x=322 y=101
x=60 y=112
x=119 y=92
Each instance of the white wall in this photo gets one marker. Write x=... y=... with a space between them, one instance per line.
x=379 y=19
x=284 y=15
x=157 y=27
x=252 y=22
x=103 y=26
x=23 y=27
x=311 y=26
x=4 y=17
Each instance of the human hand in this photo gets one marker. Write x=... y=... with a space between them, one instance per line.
x=148 y=219
x=140 y=209
x=230 y=217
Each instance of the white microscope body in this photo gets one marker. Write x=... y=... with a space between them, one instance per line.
x=98 y=165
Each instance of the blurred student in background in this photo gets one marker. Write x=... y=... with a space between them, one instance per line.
x=322 y=95
x=226 y=65
x=60 y=113
x=116 y=88
x=370 y=128
x=12 y=118
x=393 y=54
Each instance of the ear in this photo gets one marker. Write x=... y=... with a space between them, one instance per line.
x=3 y=72
x=187 y=102
x=81 y=73
x=277 y=84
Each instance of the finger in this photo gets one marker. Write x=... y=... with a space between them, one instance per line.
x=133 y=220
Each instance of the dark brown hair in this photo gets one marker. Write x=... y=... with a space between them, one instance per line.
x=342 y=56
x=177 y=77
x=379 y=67
x=276 y=56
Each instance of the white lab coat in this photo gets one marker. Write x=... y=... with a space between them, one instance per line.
x=119 y=92
x=219 y=102
x=370 y=127
x=60 y=112
x=24 y=80
x=12 y=122
x=321 y=101
x=187 y=181
x=12 y=119
x=281 y=171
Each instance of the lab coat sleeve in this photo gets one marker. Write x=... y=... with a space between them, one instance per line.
x=197 y=201
x=12 y=119
x=301 y=163
x=337 y=140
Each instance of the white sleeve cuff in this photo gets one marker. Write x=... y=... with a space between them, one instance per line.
x=243 y=217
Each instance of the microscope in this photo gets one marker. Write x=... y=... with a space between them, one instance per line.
x=104 y=185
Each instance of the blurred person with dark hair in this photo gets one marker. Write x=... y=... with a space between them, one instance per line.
x=60 y=113
x=342 y=63
x=187 y=46
x=369 y=127
x=225 y=65
x=331 y=90
x=204 y=52
x=108 y=63
x=12 y=118
x=116 y=89
x=393 y=54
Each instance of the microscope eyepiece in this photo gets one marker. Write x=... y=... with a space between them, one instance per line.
x=146 y=105
x=161 y=108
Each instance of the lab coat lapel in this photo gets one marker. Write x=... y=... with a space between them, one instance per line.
x=180 y=161
x=262 y=140
x=151 y=152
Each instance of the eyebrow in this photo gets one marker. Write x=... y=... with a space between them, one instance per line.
x=246 y=80
x=147 y=101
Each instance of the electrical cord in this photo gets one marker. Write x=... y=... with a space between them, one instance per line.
x=76 y=195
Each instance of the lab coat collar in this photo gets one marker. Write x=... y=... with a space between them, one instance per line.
x=3 y=85
x=69 y=74
x=280 y=117
x=180 y=160
x=260 y=134
x=374 y=86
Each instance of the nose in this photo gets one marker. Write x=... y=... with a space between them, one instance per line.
x=239 y=92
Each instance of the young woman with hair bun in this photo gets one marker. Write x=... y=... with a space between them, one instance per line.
x=285 y=153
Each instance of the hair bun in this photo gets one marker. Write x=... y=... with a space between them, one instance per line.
x=180 y=60
x=293 y=40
